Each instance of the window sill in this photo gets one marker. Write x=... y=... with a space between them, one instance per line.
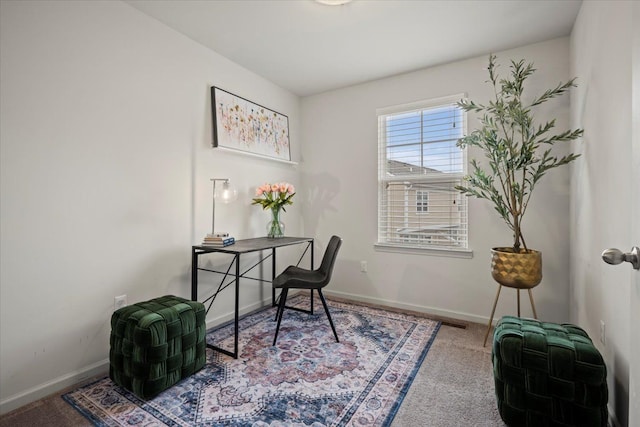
x=453 y=253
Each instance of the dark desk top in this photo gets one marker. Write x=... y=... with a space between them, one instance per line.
x=251 y=245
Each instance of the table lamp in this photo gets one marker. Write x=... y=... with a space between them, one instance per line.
x=226 y=194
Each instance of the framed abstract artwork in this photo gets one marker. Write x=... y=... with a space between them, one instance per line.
x=244 y=126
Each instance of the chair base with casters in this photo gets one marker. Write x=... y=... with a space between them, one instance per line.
x=294 y=277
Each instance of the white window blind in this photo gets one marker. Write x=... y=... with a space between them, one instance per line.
x=419 y=165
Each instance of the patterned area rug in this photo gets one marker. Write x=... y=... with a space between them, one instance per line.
x=306 y=380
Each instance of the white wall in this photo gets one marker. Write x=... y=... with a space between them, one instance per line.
x=601 y=45
x=105 y=165
x=105 y=140
x=339 y=158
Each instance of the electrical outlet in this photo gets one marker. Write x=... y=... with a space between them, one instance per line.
x=119 y=302
x=603 y=338
x=363 y=266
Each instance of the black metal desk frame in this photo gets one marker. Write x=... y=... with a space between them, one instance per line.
x=240 y=247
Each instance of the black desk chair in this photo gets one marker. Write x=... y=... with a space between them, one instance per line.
x=300 y=278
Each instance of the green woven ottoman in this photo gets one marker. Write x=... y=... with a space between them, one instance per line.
x=155 y=344
x=548 y=375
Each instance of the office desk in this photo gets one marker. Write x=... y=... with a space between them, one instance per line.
x=239 y=248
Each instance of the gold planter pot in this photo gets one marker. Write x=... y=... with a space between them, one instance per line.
x=519 y=270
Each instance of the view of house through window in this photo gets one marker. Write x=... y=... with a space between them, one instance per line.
x=422 y=201
x=419 y=165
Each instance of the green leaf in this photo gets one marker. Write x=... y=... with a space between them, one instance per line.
x=510 y=141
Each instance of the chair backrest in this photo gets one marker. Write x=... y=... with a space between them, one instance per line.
x=329 y=258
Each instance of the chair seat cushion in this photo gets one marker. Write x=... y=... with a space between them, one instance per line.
x=300 y=278
x=156 y=343
x=548 y=374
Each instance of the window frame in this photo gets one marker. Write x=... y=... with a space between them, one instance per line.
x=422 y=202
x=383 y=244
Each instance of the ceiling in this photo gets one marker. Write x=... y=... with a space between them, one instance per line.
x=308 y=48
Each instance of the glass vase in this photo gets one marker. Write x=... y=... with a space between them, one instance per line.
x=275 y=227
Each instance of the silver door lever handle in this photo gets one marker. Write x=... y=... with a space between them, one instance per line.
x=616 y=256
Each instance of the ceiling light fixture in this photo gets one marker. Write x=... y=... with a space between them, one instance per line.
x=334 y=2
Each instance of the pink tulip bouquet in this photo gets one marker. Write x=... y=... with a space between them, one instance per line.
x=274 y=196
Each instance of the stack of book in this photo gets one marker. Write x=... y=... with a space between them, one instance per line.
x=219 y=240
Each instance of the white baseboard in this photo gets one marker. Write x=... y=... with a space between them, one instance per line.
x=99 y=368
x=102 y=367
x=458 y=315
x=53 y=386
x=613 y=421
x=243 y=310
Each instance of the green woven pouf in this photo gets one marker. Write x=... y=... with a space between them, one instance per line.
x=548 y=374
x=155 y=344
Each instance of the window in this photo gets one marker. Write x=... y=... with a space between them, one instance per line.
x=422 y=201
x=419 y=166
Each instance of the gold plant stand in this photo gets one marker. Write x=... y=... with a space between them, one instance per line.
x=514 y=270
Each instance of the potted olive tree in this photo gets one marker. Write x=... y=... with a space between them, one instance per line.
x=518 y=154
